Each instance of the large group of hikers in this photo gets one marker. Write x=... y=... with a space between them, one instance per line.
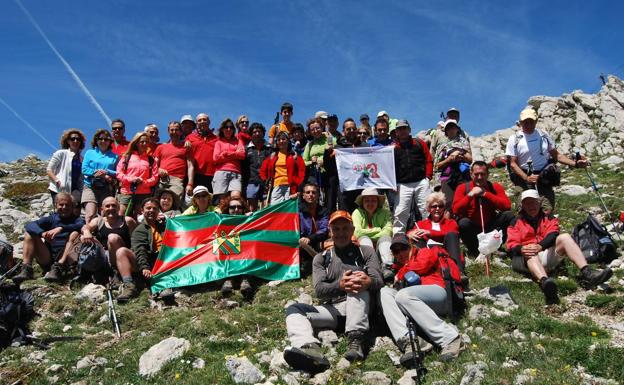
x=396 y=250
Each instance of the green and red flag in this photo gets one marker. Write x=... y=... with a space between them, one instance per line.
x=208 y=247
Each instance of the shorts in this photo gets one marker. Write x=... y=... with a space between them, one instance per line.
x=226 y=181
x=97 y=196
x=255 y=191
x=137 y=199
x=174 y=184
x=549 y=258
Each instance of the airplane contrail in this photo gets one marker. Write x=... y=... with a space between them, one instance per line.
x=39 y=134
x=65 y=63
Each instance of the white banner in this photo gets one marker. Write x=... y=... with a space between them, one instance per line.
x=362 y=167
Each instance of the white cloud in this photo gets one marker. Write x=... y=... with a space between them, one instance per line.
x=10 y=151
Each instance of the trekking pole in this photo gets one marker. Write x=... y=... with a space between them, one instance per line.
x=604 y=205
x=10 y=272
x=487 y=257
x=418 y=357
x=112 y=315
x=133 y=187
x=530 y=172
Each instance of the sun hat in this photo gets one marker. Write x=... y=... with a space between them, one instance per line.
x=201 y=189
x=530 y=193
x=382 y=113
x=448 y=122
x=528 y=113
x=371 y=192
x=402 y=123
x=399 y=240
x=185 y=118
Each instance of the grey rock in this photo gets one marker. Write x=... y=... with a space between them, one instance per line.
x=475 y=373
x=54 y=368
x=383 y=343
x=573 y=190
x=305 y=298
x=198 y=363
x=407 y=378
x=376 y=378
x=158 y=355
x=90 y=361
x=500 y=295
x=53 y=379
x=343 y=364
x=321 y=378
x=394 y=357
x=518 y=335
x=92 y=292
x=277 y=363
x=328 y=337
x=290 y=379
x=509 y=363
x=242 y=370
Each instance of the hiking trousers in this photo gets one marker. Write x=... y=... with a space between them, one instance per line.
x=423 y=303
x=405 y=194
x=303 y=319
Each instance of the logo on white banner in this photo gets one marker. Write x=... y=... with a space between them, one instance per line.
x=364 y=167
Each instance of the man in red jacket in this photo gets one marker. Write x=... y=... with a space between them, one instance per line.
x=536 y=246
x=478 y=198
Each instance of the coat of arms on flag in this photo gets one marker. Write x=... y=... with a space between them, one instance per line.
x=364 y=167
x=226 y=244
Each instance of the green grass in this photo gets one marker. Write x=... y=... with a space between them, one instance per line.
x=21 y=193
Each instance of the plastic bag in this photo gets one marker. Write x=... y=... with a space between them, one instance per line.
x=490 y=242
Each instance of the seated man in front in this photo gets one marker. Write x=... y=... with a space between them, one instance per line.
x=419 y=290
x=46 y=239
x=344 y=278
x=536 y=247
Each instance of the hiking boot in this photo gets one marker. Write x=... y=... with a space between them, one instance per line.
x=355 y=349
x=549 y=288
x=465 y=282
x=26 y=273
x=591 y=278
x=56 y=273
x=308 y=358
x=451 y=351
x=128 y=291
x=245 y=288
x=408 y=357
x=165 y=295
x=387 y=274
x=226 y=288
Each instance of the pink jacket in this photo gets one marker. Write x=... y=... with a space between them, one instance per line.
x=228 y=154
x=138 y=166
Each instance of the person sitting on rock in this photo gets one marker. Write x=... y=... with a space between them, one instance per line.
x=111 y=232
x=537 y=247
x=146 y=240
x=480 y=205
x=423 y=295
x=345 y=278
x=47 y=238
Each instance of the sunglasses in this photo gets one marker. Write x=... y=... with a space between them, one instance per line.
x=75 y=139
x=436 y=206
x=244 y=122
x=117 y=128
x=236 y=207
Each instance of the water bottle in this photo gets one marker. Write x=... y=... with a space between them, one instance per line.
x=411 y=278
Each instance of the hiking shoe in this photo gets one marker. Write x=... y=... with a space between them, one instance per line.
x=128 y=291
x=308 y=358
x=245 y=288
x=26 y=273
x=549 y=288
x=226 y=288
x=451 y=351
x=591 y=278
x=465 y=282
x=409 y=357
x=387 y=274
x=55 y=274
x=355 y=349
x=165 y=295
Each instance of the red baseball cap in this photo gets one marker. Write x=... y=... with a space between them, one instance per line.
x=340 y=214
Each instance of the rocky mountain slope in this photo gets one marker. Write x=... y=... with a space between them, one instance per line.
x=590 y=123
x=509 y=338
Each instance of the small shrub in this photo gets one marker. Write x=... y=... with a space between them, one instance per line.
x=610 y=303
x=20 y=193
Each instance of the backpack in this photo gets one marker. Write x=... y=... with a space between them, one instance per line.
x=595 y=241
x=547 y=178
x=455 y=300
x=455 y=173
x=16 y=310
x=92 y=264
x=6 y=257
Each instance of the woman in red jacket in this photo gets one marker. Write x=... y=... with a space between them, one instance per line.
x=420 y=292
x=438 y=228
x=536 y=247
x=285 y=169
x=229 y=151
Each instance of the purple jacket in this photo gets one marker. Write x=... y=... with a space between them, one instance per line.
x=305 y=223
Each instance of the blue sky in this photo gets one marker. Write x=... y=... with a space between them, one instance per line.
x=153 y=61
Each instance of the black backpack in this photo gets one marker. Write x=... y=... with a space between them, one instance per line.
x=92 y=264
x=595 y=241
x=6 y=257
x=16 y=310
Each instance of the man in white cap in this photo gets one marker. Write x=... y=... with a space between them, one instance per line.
x=536 y=247
x=532 y=156
x=187 y=124
x=391 y=121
